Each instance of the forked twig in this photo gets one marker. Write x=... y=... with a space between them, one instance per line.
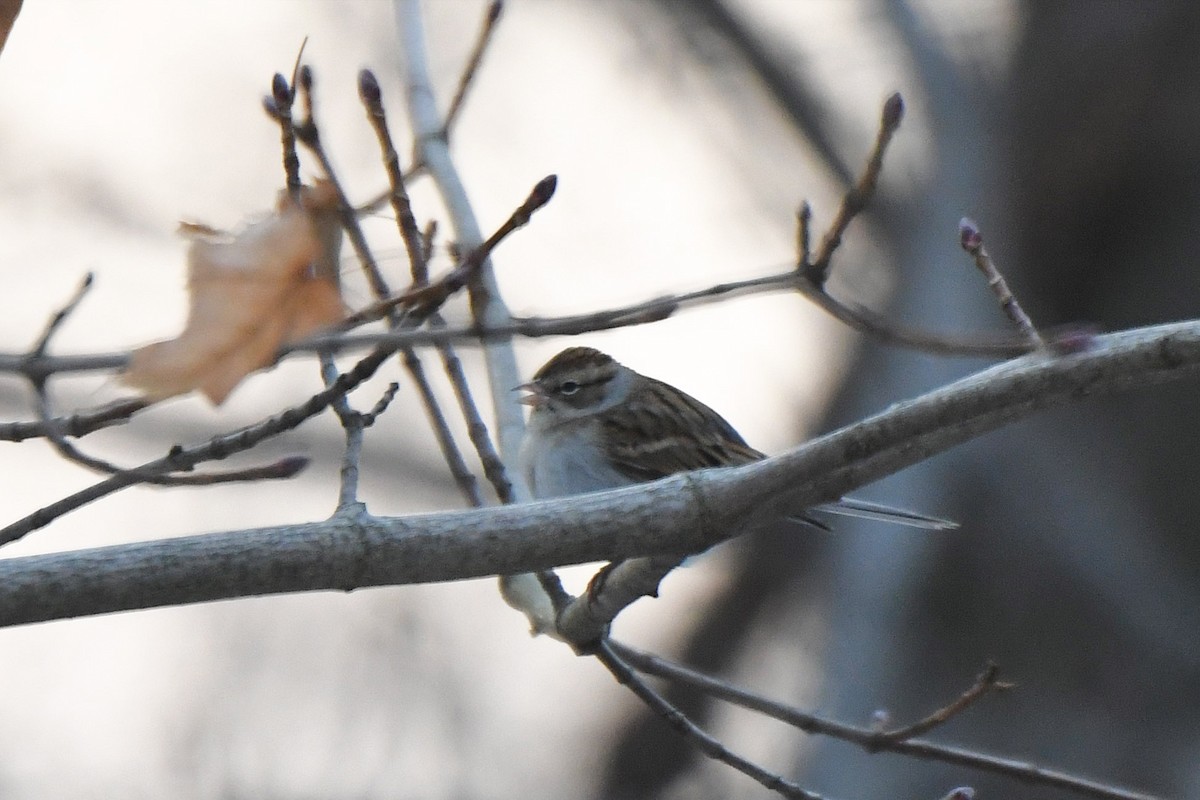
x=418 y=250
x=868 y=738
x=309 y=136
x=426 y=299
x=711 y=747
x=57 y=438
x=856 y=198
x=219 y=447
x=465 y=80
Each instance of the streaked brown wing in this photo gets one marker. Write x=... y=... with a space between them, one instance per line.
x=665 y=431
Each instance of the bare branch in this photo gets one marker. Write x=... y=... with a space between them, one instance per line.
x=410 y=233
x=184 y=459
x=870 y=739
x=692 y=732
x=684 y=513
x=587 y=617
x=57 y=438
x=857 y=317
x=81 y=423
x=309 y=135
x=988 y=681
x=654 y=310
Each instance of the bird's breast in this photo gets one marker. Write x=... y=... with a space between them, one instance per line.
x=564 y=461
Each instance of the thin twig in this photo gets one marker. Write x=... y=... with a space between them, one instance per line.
x=972 y=242
x=352 y=430
x=279 y=107
x=856 y=198
x=426 y=299
x=490 y=18
x=641 y=313
x=988 y=681
x=804 y=233
x=75 y=455
x=309 y=135
x=465 y=81
x=477 y=430
x=381 y=405
x=282 y=469
x=60 y=316
x=76 y=425
x=493 y=466
x=710 y=746
x=467 y=484
x=354 y=423
x=867 y=738
x=183 y=459
x=57 y=437
x=410 y=233
x=656 y=309
x=349 y=418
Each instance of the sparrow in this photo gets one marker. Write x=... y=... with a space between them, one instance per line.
x=596 y=424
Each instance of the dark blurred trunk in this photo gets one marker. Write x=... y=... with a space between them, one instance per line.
x=1078 y=565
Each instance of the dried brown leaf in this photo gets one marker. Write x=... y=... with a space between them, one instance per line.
x=250 y=294
x=8 y=15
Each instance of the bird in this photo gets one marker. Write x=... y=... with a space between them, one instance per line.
x=597 y=424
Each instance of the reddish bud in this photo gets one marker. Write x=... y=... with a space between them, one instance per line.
x=1076 y=339
x=969 y=236
x=291 y=465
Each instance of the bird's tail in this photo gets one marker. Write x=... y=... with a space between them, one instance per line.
x=864 y=509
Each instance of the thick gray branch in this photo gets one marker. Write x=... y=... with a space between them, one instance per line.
x=681 y=514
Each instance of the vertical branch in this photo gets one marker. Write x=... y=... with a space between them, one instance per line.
x=487 y=306
x=309 y=135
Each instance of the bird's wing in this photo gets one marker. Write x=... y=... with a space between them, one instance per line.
x=666 y=431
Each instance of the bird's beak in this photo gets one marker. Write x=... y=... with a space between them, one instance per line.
x=535 y=396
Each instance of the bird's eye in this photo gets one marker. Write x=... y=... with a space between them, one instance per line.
x=568 y=388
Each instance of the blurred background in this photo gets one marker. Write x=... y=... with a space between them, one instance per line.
x=684 y=135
